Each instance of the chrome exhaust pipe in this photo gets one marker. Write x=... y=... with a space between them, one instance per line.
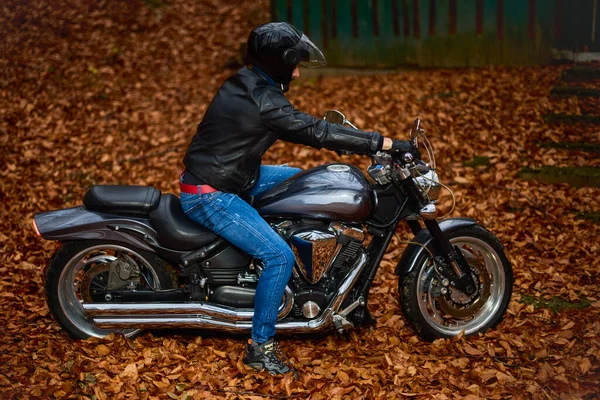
x=188 y=309
x=175 y=310
x=211 y=316
x=184 y=308
x=200 y=322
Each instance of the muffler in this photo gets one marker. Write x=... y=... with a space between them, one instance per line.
x=181 y=309
x=202 y=322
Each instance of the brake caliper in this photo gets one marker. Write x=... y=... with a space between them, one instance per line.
x=123 y=273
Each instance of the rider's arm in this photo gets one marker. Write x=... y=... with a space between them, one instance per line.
x=295 y=126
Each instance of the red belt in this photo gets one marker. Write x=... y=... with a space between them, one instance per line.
x=196 y=189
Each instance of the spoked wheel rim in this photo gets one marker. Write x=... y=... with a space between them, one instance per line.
x=454 y=312
x=85 y=277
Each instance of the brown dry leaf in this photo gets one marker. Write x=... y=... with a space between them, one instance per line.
x=102 y=349
x=487 y=375
x=131 y=371
x=339 y=392
x=504 y=378
x=472 y=350
x=460 y=363
x=585 y=365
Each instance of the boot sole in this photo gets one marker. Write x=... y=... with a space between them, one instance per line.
x=260 y=367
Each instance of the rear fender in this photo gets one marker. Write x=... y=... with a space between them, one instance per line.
x=409 y=258
x=79 y=223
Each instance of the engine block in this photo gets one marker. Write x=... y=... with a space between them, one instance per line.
x=319 y=249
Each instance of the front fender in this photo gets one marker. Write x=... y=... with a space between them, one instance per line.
x=409 y=258
x=79 y=223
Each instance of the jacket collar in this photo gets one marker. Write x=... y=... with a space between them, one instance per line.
x=266 y=77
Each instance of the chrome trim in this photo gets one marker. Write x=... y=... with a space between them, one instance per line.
x=379 y=173
x=199 y=321
x=247 y=278
x=336 y=253
x=323 y=249
x=310 y=309
x=429 y=183
x=354 y=233
x=428 y=212
x=360 y=302
x=404 y=173
x=348 y=283
x=338 y=168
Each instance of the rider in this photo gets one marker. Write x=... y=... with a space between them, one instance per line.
x=223 y=165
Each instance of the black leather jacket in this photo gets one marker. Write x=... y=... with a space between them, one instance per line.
x=247 y=115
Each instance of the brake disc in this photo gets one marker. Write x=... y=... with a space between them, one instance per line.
x=457 y=307
x=94 y=281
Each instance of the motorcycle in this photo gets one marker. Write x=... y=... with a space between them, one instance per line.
x=129 y=258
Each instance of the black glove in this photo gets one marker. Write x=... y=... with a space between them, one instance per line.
x=399 y=147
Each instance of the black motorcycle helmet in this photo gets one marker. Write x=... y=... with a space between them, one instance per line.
x=277 y=47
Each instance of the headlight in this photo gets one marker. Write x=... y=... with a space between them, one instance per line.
x=429 y=184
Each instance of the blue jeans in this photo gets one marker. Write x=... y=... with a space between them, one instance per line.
x=233 y=219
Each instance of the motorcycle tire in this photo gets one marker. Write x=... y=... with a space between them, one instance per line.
x=438 y=311
x=79 y=270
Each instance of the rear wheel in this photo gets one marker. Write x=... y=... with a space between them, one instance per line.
x=437 y=310
x=79 y=273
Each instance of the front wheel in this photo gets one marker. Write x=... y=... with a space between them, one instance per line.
x=437 y=310
x=80 y=272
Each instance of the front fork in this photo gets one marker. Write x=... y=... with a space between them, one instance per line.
x=452 y=256
x=459 y=272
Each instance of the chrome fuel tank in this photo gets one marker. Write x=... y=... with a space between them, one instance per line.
x=334 y=192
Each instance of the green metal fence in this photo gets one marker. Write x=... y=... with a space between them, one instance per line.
x=387 y=33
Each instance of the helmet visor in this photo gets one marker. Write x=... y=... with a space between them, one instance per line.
x=310 y=55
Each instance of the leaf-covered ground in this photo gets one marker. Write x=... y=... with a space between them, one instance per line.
x=106 y=92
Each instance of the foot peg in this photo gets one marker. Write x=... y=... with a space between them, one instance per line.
x=339 y=320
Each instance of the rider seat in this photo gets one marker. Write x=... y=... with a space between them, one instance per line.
x=175 y=229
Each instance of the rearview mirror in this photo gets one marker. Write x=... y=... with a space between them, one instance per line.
x=336 y=117
x=415 y=130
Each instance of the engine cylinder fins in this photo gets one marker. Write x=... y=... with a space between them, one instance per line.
x=318 y=250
